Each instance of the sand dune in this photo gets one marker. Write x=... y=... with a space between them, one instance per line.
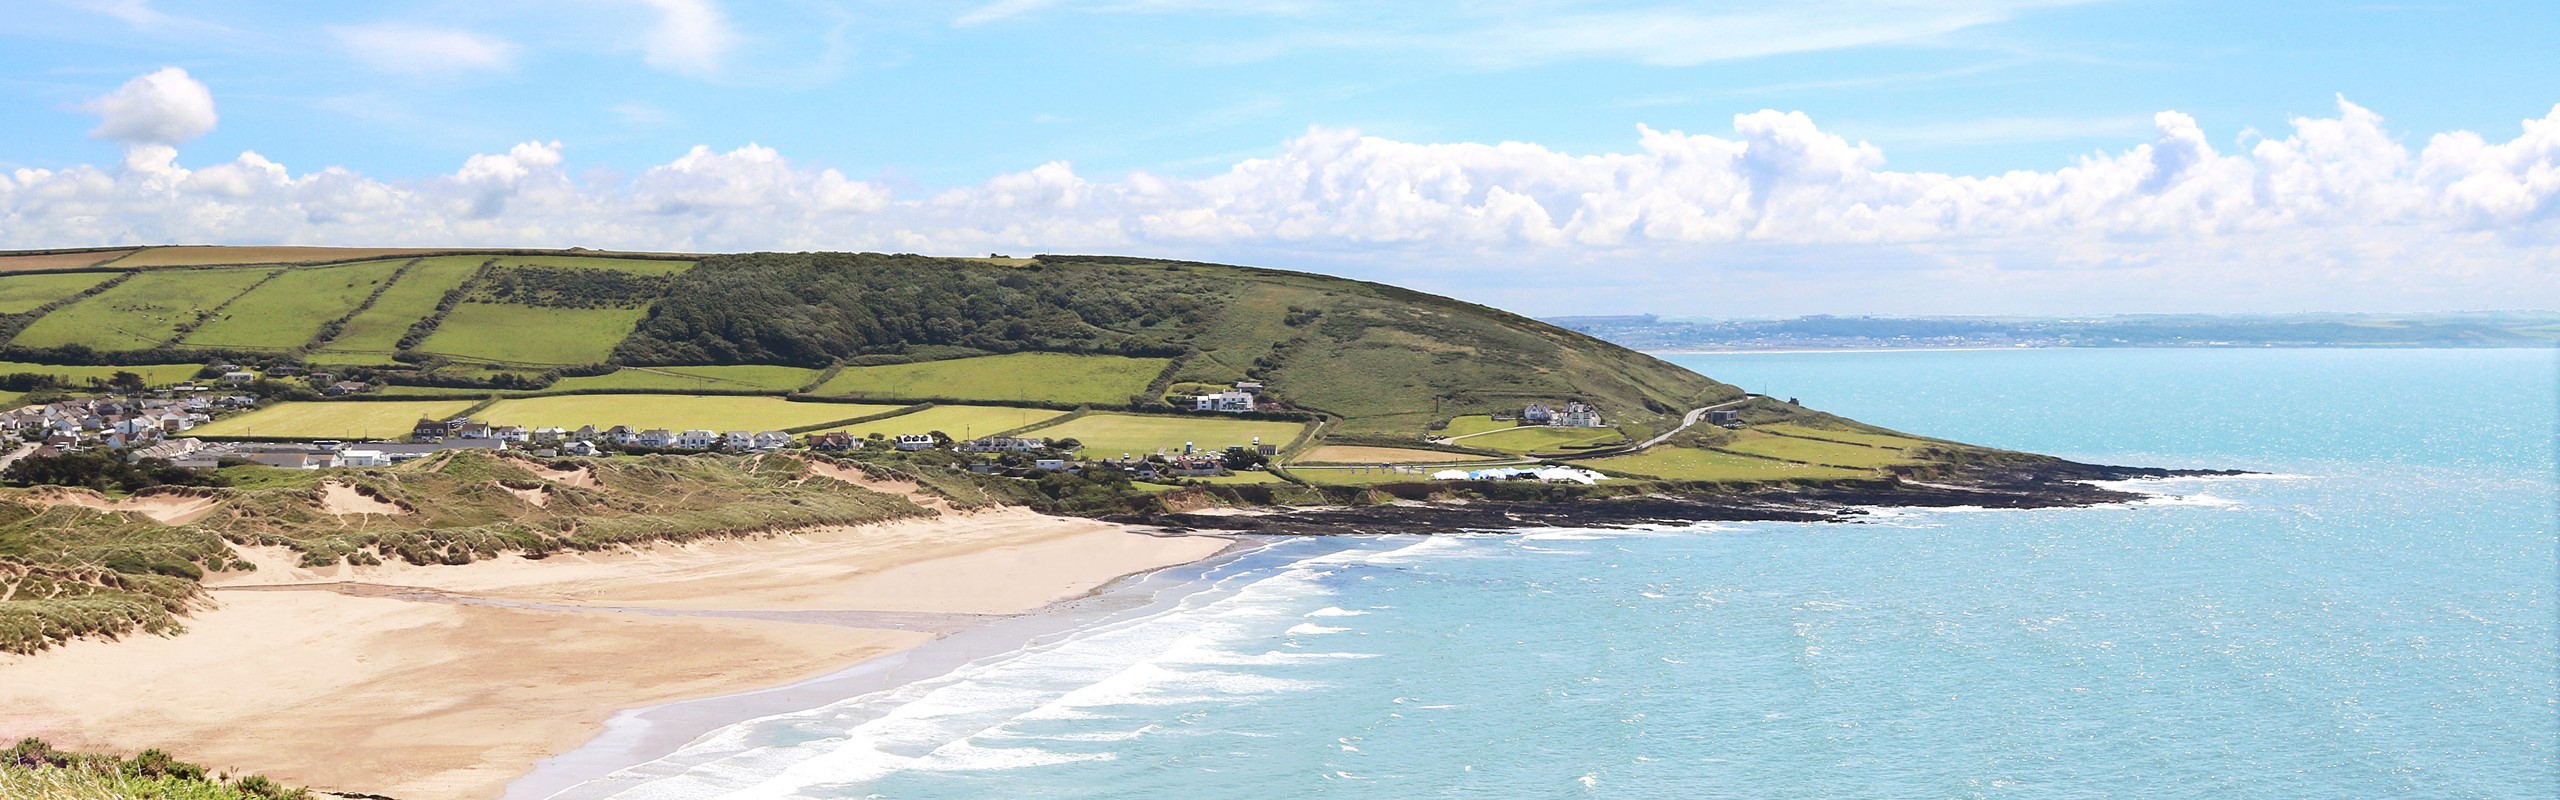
x=346 y=501
x=171 y=509
x=343 y=678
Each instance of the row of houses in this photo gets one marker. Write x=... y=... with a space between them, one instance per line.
x=114 y=423
x=585 y=439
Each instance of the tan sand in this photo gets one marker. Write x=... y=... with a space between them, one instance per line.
x=907 y=489
x=345 y=501
x=349 y=682
x=581 y=477
x=168 y=509
x=537 y=496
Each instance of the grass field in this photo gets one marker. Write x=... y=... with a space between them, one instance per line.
x=370 y=337
x=20 y=294
x=760 y=378
x=958 y=422
x=1346 y=454
x=529 y=335
x=33 y=261
x=1541 y=439
x=139 y=313
x=1462 y=426
x=1110 y=435
x=1042 y=377
x=1371 y=476
x=1837 y=454
x=202 y=255
x=1689 y=464
x=644 y=266
x=1851 y=437
x=152 y=374
x=373 y=420
x=675 y=412
x=285 y=313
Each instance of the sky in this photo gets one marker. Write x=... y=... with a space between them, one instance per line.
x=1548 y=156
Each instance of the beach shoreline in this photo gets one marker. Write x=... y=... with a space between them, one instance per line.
x=455 y=681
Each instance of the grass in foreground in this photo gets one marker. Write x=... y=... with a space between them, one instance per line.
x=34 y=770
x=530 y=335
x=20 y=294
x=288 y=311
x=1111 y=435
x=140 y=313
x=958 y=422
x=1690 y=464
x=334 y=420
x=733 y=378
x=1040 y=377
x=675 y=412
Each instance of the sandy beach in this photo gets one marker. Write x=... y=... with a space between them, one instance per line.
x=447 y=682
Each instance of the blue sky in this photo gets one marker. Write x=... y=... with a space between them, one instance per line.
x=914 y=102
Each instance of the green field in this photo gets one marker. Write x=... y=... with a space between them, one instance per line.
x=643 y=266
x=958 y=422
x=370 y=337
x=1851 y=437
x=529 y=335
x=1476 y=424
x=1041 y=377
x=287 y=312
x=140 y=313
x=735 y=378
x=1541 y=439
x=1369 y=476
x=676 y=412
x=1837 y=454
x=152 y=374
x=1110 y=435
x=1688 y=464
x=348 y=420
x=20 y=294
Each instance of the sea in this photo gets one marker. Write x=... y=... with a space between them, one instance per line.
x=2370 y=615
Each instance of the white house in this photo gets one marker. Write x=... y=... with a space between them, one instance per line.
x=1049 y=464
x=363 y=458
x=696 y=440
x=738 y=440
x=771 y=440
x=653 y=437
x=1578 y=415
x=1230 y=402
x=915 y=441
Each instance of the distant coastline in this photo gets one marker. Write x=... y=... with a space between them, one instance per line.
x=1824 y=333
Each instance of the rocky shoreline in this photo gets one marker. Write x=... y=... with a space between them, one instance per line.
x=2043 y=484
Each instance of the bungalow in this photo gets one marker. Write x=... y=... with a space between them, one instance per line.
x=696 y=440
x=837 y=440
x=1228 y=402
x=363 y=458
x=1002 y=444
x=344 y=388
x=915 y=441
x=236 y=378
x=1049 y=464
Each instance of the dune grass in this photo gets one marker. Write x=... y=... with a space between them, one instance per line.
x=1691 y=464
x=338 y=420
x=140 y=313
x=20 y=294
x=958 y=422
x=675 y=412
x=1110 y=435
x=288 y=311
x=731 y=378
x=530 y=335
x=1037 y=377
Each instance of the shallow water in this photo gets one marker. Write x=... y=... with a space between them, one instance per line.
x=2373 y=618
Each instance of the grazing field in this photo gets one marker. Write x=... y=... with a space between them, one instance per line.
x=1110 y=435
x=1690 y=464
x=152 y=374
x=34 y=261
x=372 y=336
x=1851 y=437
x=1837 y=454
x=287 y=312
x=958 y=422
x=140 y=313
x=674 y=412
x=529 y=335
x=1349 y=454
x=347 y=420
x=643 y=266
x=20 y=294
x=1041 y=377
x=1362 y=476
x=199 y=255
x=1476 y=424
x=1541 y=439
x=734 y=378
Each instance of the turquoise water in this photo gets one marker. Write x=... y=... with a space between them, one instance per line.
x=2374 y=619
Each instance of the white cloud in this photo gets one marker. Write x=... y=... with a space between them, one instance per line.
x=690 y=37
x=2337 y=213
x=160 y=108
x=424 y=50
